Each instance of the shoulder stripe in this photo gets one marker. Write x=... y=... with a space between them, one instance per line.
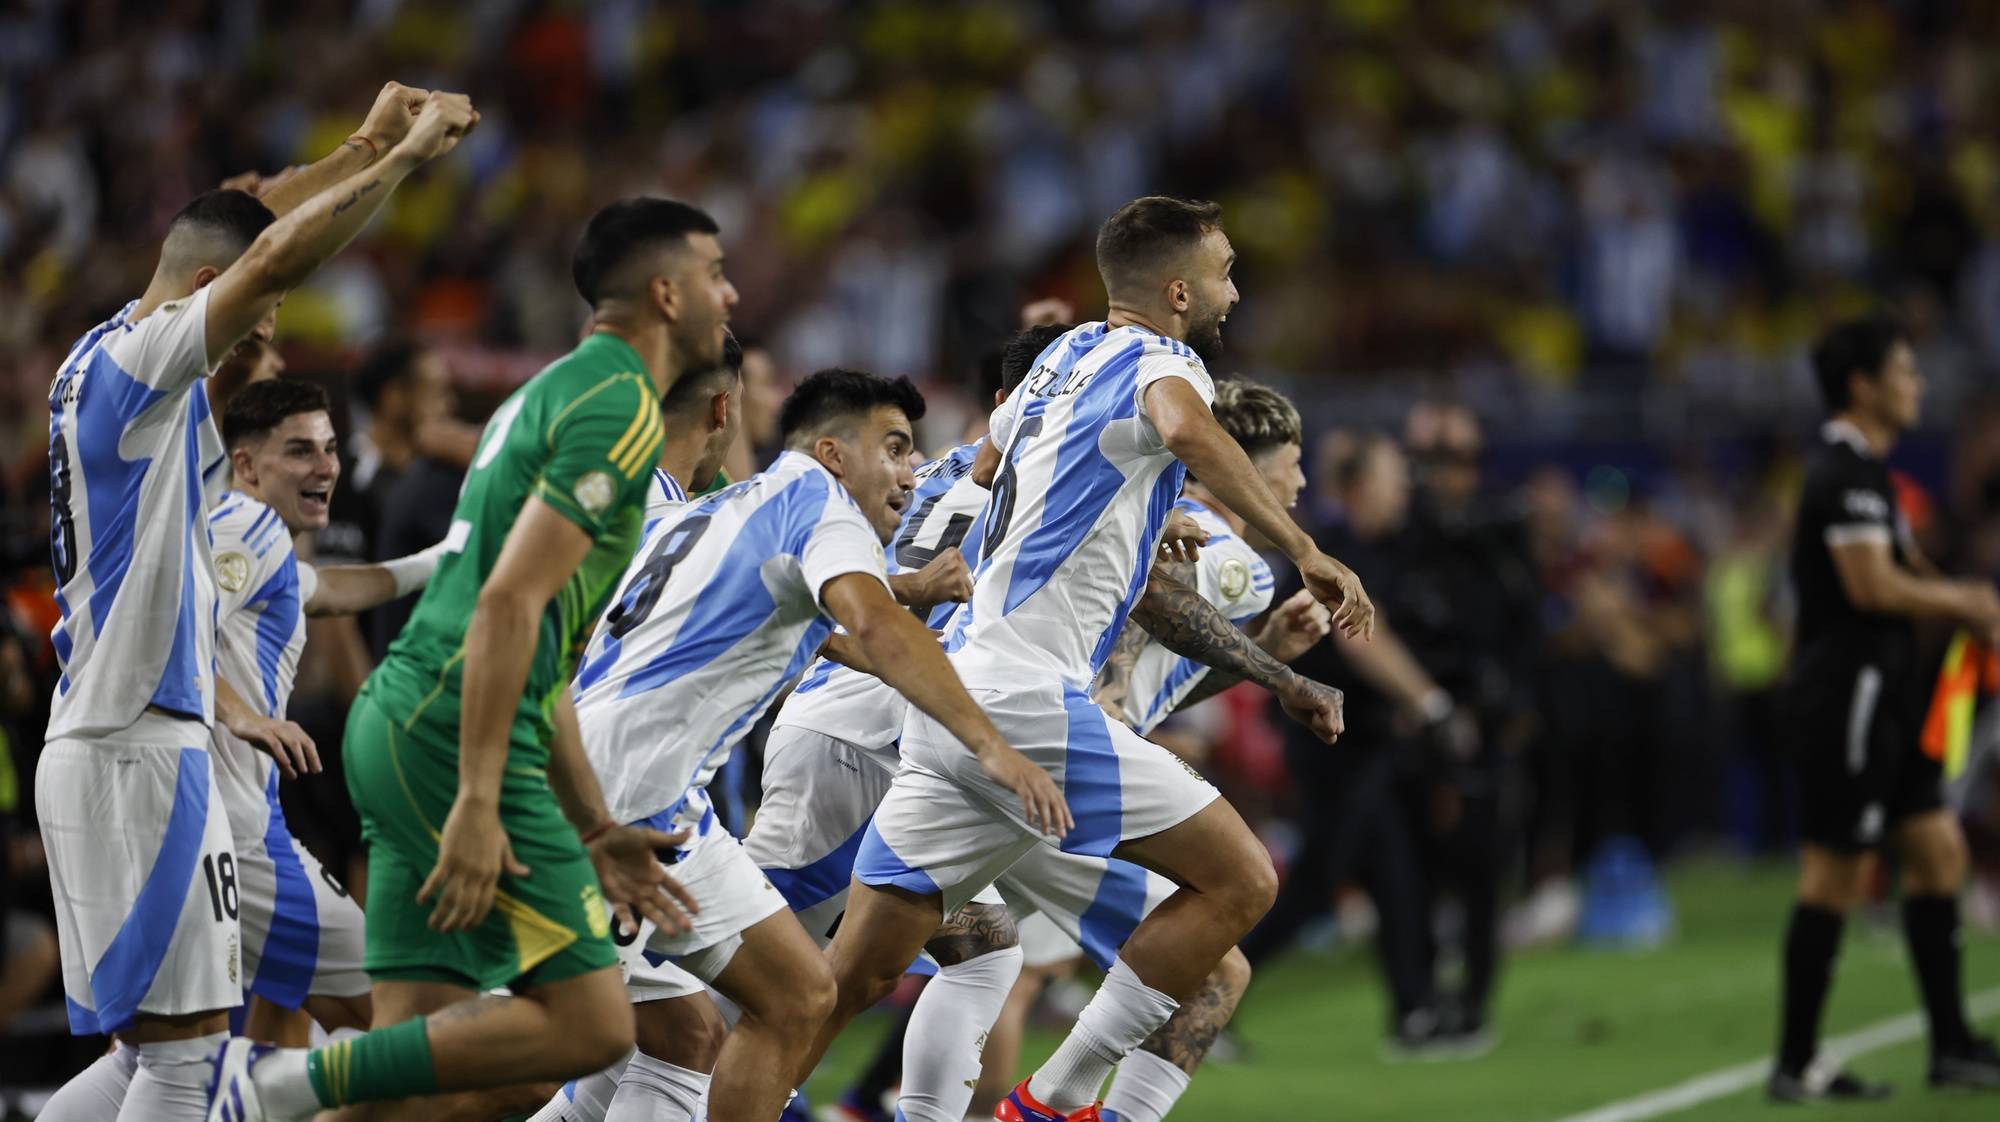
x=641 y=440
x=555 y=422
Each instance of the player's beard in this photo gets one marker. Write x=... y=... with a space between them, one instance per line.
x=1205 y=335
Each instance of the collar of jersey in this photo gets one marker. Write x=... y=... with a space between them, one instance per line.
x=1838 y=431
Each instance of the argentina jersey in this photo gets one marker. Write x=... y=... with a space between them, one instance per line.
x=134 y=459
x=719 y=609
x=945 y=512
x=1229 y=575
x=1084 y=489
x=662 y=495
x=263 y=589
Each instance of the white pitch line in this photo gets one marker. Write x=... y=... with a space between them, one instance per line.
x=1727 y=1081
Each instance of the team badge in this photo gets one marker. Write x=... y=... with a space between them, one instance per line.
x=594 y=492
x=232 y=571
x=1235 y=579
x=594 y=913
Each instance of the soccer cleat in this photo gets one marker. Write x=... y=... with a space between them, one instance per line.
x=1020 y=1106
x=232 y=1097
x=1975 y=1065
x=1785 y=1087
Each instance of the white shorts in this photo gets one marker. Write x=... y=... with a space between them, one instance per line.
x=733 y=895
x=145 y=879
x=646 y=980
x=945 y=827
x=1044 y=944
x=819 y=794
x=302 y=933
x=1093 y=903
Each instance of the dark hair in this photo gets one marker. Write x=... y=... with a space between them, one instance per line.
x=837 y=395
x=702 y=385
x=1256 y=416
x=389 y=362
x=1855 y=346
x=1147 y=234
x=625 y=229
x=1017 y=360
x=262 y=406
x=233 y=216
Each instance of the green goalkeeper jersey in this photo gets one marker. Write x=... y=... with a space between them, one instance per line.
x=583 y=436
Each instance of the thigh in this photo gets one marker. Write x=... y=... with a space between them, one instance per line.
x=1840 y=745
x=933 y=838
x=819 y=794
x=734 y=896
x=1094 y=902
x=1209 y=850
x=776 y=963
x=144 y=876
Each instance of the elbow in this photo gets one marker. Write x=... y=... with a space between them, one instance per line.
x=1180 y=433
x=499 y=604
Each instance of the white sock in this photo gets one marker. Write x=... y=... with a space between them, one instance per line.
x=283 y=1085
x=1145 y=1088
x=96 y=1093
x=948 y=1028
x=586 y=1099
x=654 y=1090
x=171 y=1084
x=1118 y=1019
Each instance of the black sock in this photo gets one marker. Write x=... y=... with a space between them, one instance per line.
x=1930 y=925
x=1812 y=941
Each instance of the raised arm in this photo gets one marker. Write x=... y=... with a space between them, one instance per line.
x=387 y=124
x=1192 y=434
x=904 y=653
x=288 y=252
x=340 y=590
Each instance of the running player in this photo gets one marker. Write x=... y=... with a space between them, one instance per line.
x=728 y=600
x=461 y=750
x=125 y=791
x=302 y=935
x=1094 y=448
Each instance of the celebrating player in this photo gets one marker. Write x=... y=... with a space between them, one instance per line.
x=488 y=835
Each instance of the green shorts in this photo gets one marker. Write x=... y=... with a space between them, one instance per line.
x=403 y=775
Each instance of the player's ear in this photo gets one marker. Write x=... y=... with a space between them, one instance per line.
x=660 y=288
x=1178 y=295
x=204 y=275
x=718 y=409
x=243 y=465
x=832 y=455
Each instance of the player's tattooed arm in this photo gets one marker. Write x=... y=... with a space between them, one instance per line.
x=1114 y=682
x=388 y=122
x=973 y=930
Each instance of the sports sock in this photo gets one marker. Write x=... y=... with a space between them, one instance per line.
x=948 y=1027
x=586 y=1099
x=1930 y=926
x=653 y=1090
x=1144 y=1088
x=1812 y=941
x=171 y=1083
x=96 y=1092
x=386 y=1063
x=1118 y=1019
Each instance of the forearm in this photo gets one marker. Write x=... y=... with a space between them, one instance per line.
x=906 y=655
x=302 y=240
x=571 y=777
x=1191 y=627
x=1114 y=682
x=347 y=589
x=230 y=708
x=499 y=650
x=352 y=156
x=1221 y=465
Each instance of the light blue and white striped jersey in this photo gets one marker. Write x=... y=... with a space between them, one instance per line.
x=264 y=588
x=718 y=611
x=946 y=511
x=134 y=461
x=1083 y=492
x=663 y=494
x=1230 y=575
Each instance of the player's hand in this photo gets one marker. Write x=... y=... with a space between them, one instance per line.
x=1981 y=608
x=444 y=120
x=1336 y=586
x=394 y=111
x=1296 y=627
x=1040 y=797
x=1320 y=708
x=947 y=579
x=283 y=741
x=473 y=851
x=1182 y=538
x=628 y=866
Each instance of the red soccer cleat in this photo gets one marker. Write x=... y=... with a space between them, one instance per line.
x=1023 y=1107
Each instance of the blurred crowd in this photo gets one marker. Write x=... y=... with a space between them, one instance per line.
x=1540 y=275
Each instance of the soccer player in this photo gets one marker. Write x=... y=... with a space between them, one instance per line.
x=1091 y=453
x=728 y=600
x=125 y=792
x=1856 y=698
x=302 y=935
x=488 y=835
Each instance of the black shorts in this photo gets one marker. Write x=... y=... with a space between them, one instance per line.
x=1861 y=770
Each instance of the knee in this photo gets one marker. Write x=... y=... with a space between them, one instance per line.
x=1832 y=882
x=1938 y=868
x=801 y=1002
x=1254 y=889
x=591 y=1044
x=1231 y=976
x=684 y=1032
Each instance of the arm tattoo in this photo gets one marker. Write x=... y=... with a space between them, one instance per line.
x=355 y=195
x=1191 y=1031
x=1114 y=682
x=973 y=930
x=1191 y=627
x=1212 y=683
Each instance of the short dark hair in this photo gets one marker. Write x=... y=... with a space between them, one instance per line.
x=1855 y=346
x=625 y=229
x=702 y=385
x=1017 y=360
x=1147 y=234
x=386 y=364
x=233 y=217
x=1256 y=416
x=838 y=396
x=262 y=406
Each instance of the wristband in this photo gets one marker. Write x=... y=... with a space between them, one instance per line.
x=374 y=152
x=598 y=831
x=1434 y=706
x=413 y=572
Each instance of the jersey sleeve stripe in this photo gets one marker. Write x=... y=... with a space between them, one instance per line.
x=644 y=421
x=646 y=451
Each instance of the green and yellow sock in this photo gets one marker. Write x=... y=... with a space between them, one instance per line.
x=389 y=1063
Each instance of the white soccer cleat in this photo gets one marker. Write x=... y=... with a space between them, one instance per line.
x=232 y=1097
